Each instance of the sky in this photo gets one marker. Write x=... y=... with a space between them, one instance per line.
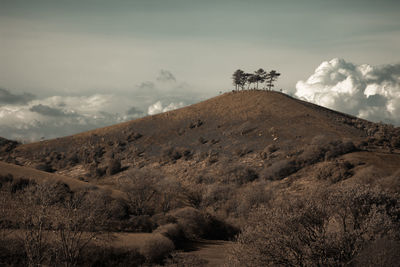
x=70 y=66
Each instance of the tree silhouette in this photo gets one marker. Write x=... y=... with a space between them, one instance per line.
x=271 y=77
x=239 y=79
x=251 y=78
x=259 y=76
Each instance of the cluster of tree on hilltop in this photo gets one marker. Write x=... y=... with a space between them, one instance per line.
x=260 y=76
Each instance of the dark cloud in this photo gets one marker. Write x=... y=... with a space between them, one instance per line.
x=134 y=111
x=6 y=97
x=146 y=85
x=49 y=111
x=165 y=76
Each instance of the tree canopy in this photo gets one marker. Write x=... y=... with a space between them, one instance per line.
x=241 y=79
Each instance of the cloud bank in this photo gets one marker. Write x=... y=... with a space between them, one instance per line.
x=6 y=97
x=25 y=117
x=57 y=116
x=365 y=91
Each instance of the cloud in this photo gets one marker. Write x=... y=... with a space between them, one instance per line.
x=369 y=92
x=58 y=116
x=6 y=97
x=165 y=76
x=159 y=108
x=49 y=111
x=25 y=118
x=147 y=85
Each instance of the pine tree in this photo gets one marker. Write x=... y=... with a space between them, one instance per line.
x=271 y=77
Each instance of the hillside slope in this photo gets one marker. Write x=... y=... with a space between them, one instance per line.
x=252 y=129
x=249 y=120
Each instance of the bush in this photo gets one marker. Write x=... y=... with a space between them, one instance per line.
x=323 y=229
x=280 y=169
x=172 y=230
x=240 y=175
x=108 y=256
x=243 y=151
x=156 y=248
x=191 y=221
x=335 y=171
x=113 y=166
x=141 y=223
x=322 y=149
x=6 y=179
x=46 y=167
x=20 y=184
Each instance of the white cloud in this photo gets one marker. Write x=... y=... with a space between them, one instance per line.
x=58 y=116
x=159 y=108
x=369 y=92
x=27 y=118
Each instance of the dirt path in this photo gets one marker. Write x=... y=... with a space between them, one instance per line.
x=213 y=251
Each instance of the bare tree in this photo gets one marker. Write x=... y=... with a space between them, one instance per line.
x=79 y=223
x=36 y=218
x=140 y=191
x=323 y=229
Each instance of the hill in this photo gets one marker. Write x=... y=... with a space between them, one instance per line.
x=227 y=125
x=202 y=171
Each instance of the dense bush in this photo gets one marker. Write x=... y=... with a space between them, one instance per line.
x=46 y=167
x=324 y=229
x=239 y=175
x=322 y=148
x=20 y=184
x=335 y=171
x=280 y=169
x=172 y=154
x=113 y=166
x=156 y=248
x=6 y=179
x=192 y=221
x=171 y=230
x=196 y=224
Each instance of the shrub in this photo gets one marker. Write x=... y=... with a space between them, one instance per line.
x=322 y=148
x=324 y=229
x=156 y=248
x=141 y=223
x=113 y=166
x=382 y=252
x=108 y=256
x=280 y=169
x=240 y=175
x=140 y=191
x=335 y=171
x=6 y=179
x=172 y=230
x=191 y=221
x=46 y=167
x=243 y=151
x=20 y=184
